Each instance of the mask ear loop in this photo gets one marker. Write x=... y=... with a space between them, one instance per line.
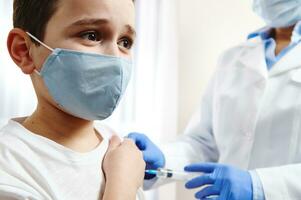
x=39 y=41
x=44 y=45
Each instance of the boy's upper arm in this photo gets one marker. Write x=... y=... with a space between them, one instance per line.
x=12 y=186
x=16 y=180
x=14 y=193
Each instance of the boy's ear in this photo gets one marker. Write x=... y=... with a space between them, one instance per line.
x=19 y=44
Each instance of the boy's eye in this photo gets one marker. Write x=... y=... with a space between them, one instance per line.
x=92 y=36
x=126 y=43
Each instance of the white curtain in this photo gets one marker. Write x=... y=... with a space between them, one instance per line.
x=156 y=77
x=150 y=104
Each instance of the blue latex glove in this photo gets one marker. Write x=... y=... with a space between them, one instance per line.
x=152 y=155
x=221 y=181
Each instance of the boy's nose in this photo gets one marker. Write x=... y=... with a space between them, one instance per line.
x=111 y=50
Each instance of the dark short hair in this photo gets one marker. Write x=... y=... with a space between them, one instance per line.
x=33 y=15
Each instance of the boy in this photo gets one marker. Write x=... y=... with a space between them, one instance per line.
x=76 y=53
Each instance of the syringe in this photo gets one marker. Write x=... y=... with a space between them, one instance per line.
x=171 y=174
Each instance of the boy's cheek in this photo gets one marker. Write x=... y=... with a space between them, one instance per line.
x=41 y=89
x=39 y=56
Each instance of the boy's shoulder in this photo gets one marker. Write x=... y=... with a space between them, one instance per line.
x=17 y=139
x=9 y=133
x=105 y=130
x=28 y=161
x=18 y=146
x=13 y=157
x=10 y=142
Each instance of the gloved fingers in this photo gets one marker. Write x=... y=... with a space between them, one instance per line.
x=149 y=176
x=225 y=191
x=200 y=181
x=151 y=156
x=207 y=192
x=201 y=167
x=210 y=198
x=139 y=139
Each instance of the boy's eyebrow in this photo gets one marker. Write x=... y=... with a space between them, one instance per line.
x=96 y=21
x=130 y=29
x=90 y=21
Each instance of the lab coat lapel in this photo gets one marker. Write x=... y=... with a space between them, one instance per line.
x=254 y=58
x=289 y=61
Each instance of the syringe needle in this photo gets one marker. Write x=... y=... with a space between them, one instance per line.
x=174 y=175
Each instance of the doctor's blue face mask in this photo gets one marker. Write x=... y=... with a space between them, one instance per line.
x=86 y=85
x=278 y=13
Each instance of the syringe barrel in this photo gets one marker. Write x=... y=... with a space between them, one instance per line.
x=175 y=175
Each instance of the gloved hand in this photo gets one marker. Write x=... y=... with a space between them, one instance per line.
x=221 y=181
x=152 y=155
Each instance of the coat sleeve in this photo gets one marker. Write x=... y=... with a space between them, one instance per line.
x=197 y=144
x=281 y=183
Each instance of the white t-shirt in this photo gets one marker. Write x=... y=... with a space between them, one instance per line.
x=35 y=168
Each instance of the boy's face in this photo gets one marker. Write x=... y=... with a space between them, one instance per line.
x=95 y=26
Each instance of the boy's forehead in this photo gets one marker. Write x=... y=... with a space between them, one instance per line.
x=115 y=11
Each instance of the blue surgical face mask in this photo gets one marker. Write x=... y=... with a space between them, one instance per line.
x=278 y=13
x=85 y=85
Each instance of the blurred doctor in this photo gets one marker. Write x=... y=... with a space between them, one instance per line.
x=246 y=136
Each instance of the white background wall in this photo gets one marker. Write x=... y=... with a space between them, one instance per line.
x=205 y=29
